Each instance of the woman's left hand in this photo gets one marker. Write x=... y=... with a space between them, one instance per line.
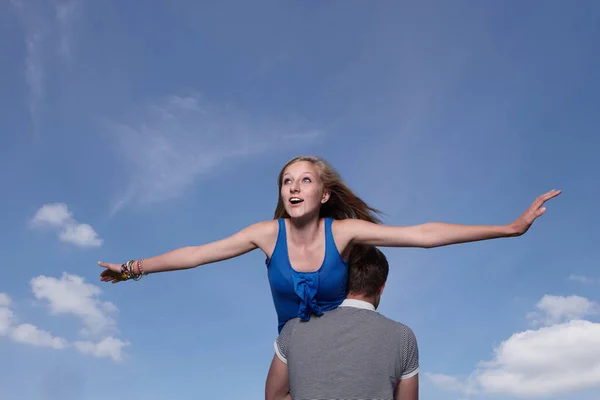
x=524 y=222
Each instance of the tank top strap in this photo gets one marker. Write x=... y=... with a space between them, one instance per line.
x=332 y=254
x=281 y=237
x=330 y=243
x=280 y=244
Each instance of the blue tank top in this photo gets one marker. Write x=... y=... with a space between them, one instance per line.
x=300 y=294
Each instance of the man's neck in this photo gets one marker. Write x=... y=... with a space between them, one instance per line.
x=361 y=297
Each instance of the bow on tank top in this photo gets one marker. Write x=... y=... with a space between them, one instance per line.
x=300 y=294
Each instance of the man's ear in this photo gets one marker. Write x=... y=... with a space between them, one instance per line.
x=325 y=197
x=381 y=289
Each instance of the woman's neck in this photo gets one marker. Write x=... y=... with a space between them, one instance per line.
x=304 y=230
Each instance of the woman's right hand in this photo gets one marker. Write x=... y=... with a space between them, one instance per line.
x=112 y=272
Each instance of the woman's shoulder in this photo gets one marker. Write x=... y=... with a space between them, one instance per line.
x=351 y=224
x=264 y=234
x=265 y=227
x=341 y=225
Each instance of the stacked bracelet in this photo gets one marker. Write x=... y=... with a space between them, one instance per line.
x=128 y=270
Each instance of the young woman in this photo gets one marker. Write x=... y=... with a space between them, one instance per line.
x=318 y=220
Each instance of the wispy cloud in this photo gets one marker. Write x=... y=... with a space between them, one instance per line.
x=35 y=32
x=34 y=76
x=583 y=279
x=45 y=28
x=68 y=295
x=57 y=216
x=172 y=143
x=66 y=13
x=108 y=347
x=7 y=317
x=556 y=359
x=5 y=300
x=451 y=384
x=555 y=309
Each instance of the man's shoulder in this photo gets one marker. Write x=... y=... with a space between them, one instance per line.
x=284 y=340
x=373 y=318
x=287 y=332
x=393 y=323
x=289 y=326
x=392 y=329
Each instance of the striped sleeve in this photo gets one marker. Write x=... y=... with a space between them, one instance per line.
x=410 y=354
x=282 y=344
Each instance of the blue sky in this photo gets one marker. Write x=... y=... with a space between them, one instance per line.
x=128 y=131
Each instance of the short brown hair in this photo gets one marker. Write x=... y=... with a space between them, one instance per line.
x=367 y=270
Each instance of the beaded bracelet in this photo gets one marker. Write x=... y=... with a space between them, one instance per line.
x=124 y=272
x=128 y=270
x=140 y=268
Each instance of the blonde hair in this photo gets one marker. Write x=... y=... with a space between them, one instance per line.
x=342 y=203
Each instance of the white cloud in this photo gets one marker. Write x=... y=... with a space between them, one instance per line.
x=25 y=333
x=173 y=143
x=554 y=309
x=58 y=216
x=108 y=347
x=30 y=334
x=549 y=361
x=582 y=279
x=67 y=295
x=71 y=295
x=82 y=235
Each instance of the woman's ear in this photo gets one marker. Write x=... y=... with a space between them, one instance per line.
x=325 y=197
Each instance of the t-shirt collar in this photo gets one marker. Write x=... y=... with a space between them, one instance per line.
x=358 y=304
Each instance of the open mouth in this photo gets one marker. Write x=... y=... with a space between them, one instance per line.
x=296 y=200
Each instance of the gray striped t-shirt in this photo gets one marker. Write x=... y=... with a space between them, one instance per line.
x=351 y=352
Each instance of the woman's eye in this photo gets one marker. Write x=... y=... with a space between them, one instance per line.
x=286 y=181
x=306 y=180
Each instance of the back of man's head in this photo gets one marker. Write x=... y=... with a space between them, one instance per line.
x=367 y=271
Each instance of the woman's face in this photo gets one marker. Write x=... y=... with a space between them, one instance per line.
x=302 y=190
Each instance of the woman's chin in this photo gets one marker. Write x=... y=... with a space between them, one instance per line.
x=301 y=213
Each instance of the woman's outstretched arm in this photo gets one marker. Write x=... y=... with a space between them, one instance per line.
x=188 y=257
x=435 y=234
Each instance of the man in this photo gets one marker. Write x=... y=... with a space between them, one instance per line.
x=351 y=352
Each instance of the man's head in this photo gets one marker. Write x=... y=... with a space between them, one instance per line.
x=367 y=272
